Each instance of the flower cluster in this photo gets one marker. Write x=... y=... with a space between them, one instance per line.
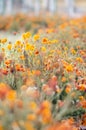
x=43 y=79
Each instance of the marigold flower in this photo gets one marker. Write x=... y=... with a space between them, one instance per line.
x=46 y=104
x=82 y=87
x=68 y=89
x=43 y=49
x=31 y=117
x=4 y=40
x=69 y=68
x=36 y=37
x=9 y=47
x=33 y=105
x=28 y=34
x=4 y=89
x=73 y=51
x=63 y=79
x=37 y=72
x=28 y=126
x=18 y=43
x=79 y=59
x=45 y=40
x=81 y=97
x=11 y=95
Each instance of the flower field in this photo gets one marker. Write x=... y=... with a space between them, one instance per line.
x=22 y=22
x=43 y=77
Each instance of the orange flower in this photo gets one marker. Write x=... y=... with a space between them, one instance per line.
x=45 y=40
x=65 y=125
x=83 y=120
x=4 y=89
x=69 y=68
x=68 y=89
x=46 y=104
x=37 y=52
x=4 y=40
x=4 y=71
x=18 y=67
x=37 y=72
x=22 y=57
x=31 y=117
x=79 y=59
x=83 y=103
x=11 y=95
x=7 y=62
x=82 y=87
x=63 y=79
x=76 y=35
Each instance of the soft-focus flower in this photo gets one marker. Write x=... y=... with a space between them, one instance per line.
x=11 y=95
x=36 y=37
x=45 y=40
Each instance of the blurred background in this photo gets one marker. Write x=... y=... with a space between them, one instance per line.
x=72 y=8
x=34 y=15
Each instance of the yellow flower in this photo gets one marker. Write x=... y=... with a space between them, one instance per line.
x=19 y=50
x=52 y=51
x=28 y=126
x=24 y=36
x=29 y=47
x=36 y=37
x=9 y=47
x=32 y=105
x=43 y=49
x=18 y=43
x=4 y=40
x=3 y=49
x=54 y=41
x=66 y=48
x=32 y=48
x=73 y=51
x=28 y=34
x=69 y=68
